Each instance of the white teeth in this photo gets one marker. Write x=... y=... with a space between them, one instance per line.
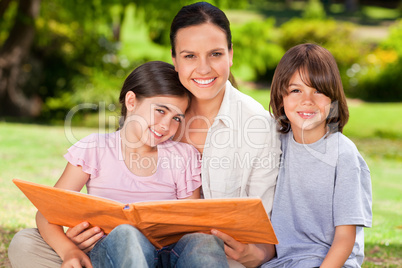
x=307 y=114
x=204 y=82
x=156 y=133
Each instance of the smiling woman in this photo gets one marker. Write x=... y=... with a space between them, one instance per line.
x=234 y=133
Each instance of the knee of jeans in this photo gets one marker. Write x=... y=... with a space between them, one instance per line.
x=125 y=231
x=201 y=238
x=20 y=243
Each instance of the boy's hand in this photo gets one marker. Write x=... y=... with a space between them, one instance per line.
x=84 y=238
x=76 y=259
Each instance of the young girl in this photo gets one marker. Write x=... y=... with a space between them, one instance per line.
x=323 y=195
x=136 y=163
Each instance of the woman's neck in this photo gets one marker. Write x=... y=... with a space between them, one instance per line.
x=206 y=108
x=199 y=118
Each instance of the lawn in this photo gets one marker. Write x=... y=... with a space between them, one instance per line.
x=34 y=153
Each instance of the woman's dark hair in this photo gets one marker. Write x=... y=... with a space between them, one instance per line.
x=317 y=69
x=151 y=79
x=197 y=14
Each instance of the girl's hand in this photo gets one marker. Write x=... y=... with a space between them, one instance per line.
x=84 y=238
x=76 y=259
x=250 y=255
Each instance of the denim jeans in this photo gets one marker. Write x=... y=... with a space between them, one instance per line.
x=125 y=246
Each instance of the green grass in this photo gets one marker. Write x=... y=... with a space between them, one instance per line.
x=34 y=153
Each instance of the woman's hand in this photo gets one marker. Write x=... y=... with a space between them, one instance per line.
x=84 y=238
x=250 y=255
x=76 y=259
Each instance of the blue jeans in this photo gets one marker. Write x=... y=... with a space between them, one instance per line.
x=125 y=246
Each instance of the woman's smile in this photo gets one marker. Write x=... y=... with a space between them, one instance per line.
x=204 y=81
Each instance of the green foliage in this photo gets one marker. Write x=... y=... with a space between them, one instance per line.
x=255 y=50
x=377 y=83
x=394 y=40
x=159 y=14
x=6 y=21
x=72 y=39
x=334 y=36
x=314 y=10
x=378 y=75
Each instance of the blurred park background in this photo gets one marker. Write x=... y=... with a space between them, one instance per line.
x=62 y=64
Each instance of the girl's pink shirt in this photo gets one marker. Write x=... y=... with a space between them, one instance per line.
x=177 y=175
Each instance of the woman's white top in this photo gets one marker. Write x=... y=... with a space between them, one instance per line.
x=242 y=151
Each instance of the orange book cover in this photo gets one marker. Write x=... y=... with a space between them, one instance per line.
x=162 y=222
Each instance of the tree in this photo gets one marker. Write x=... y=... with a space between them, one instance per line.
x=351 y=5
x=43 y=52
x=13 y=54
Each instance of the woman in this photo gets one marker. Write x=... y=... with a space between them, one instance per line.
x=236 y=136
x=229 y=128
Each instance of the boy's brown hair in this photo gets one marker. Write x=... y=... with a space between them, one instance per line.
x=318 y=69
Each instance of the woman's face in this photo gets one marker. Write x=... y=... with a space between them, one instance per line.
x=203 y=60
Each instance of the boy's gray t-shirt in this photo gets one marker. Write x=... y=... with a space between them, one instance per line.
x=320 y=186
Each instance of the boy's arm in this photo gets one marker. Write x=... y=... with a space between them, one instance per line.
x=342 y=246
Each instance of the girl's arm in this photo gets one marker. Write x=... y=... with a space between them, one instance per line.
x=342 y=246
x=196 y=194
x=65 y=248
x=250 y=255
x=73 y=178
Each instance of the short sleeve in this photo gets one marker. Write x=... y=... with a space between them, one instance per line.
x=353 y=197
x=189 y=177
x=85 y=153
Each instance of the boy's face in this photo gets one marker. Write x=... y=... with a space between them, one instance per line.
x=307 y=110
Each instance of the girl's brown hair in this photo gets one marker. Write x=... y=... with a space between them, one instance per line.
x=318 y=69
x=151 y=79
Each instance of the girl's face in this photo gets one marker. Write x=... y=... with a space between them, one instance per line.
x=151 y=121
x=203 y=60
x=307 y=110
